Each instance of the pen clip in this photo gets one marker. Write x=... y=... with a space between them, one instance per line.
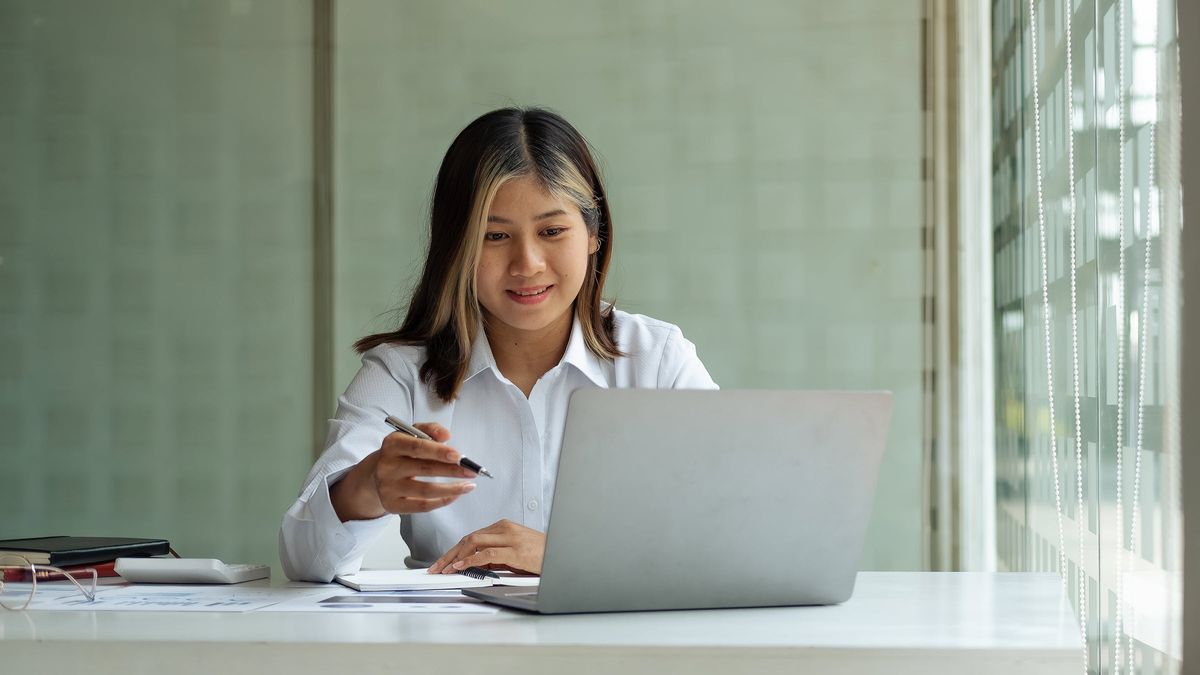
x=405 y=428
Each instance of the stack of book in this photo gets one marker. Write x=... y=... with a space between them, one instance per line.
x=74 y=555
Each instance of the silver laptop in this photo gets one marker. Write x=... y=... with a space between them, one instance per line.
x=670 y=499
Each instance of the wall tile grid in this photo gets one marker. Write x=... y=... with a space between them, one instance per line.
x=763 y=168
x=155 y=283
x=155 y=223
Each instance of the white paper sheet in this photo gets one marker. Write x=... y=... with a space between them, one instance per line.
x=233 y=598
x=346 y=600
x=155 y=598
x=15 y=593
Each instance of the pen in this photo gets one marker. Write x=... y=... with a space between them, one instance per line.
x=402 y=427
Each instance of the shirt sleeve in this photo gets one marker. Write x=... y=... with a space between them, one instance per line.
x=314 y=544
x=681 y=368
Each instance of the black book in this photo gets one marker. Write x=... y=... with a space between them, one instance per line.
x=61 y=551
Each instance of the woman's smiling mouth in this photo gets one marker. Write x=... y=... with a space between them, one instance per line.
x=531 y=295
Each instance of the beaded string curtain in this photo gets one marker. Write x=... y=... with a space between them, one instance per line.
x=1086 y=224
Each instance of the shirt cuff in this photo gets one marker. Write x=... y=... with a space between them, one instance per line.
x=347 y=542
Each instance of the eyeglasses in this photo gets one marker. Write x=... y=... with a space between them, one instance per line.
x=19 y=579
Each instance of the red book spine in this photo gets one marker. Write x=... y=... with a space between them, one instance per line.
x=104 y=569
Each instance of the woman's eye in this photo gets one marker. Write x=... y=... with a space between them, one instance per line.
x=552 y=231
x=494 y=236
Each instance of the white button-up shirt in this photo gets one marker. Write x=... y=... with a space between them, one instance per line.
x=491 y=421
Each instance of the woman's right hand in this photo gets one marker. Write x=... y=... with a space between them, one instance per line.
x=387 y=480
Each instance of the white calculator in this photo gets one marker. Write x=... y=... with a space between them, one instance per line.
x=187 y=571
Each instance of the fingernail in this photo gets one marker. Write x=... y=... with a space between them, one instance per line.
x=468 y=487
x=459 y=565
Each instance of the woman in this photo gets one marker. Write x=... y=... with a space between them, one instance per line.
x=506 y=322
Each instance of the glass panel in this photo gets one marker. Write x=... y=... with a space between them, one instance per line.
x=1086 y=231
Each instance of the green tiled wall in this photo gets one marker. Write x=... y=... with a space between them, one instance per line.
x=155 y=223
x=155 y=270
x=762 y=162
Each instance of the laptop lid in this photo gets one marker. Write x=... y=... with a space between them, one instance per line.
x=676 y=499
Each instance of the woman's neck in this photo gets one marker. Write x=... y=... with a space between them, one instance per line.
x=524 y=356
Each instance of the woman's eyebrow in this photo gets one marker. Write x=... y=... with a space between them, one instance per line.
x=548 y=214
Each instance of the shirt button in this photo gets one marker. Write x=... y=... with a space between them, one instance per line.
x=532 y=505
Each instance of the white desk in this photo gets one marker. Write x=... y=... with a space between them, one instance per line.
x=896 y=623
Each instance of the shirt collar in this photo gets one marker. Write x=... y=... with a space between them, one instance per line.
x=481 y=355
x=577 y=355
x=584 y=360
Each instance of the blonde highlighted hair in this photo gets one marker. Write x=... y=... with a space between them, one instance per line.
x=444 y=314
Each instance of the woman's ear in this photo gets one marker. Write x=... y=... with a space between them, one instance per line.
x=593 y=244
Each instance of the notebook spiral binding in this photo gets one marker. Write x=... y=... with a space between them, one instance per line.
x=479 y=573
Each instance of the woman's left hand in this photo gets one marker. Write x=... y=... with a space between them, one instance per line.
x=503 y=545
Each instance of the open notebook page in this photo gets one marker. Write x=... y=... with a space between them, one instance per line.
x=421 y=580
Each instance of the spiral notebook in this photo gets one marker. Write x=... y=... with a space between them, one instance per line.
x=421 y=580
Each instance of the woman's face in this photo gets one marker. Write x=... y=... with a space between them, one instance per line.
x=534 y=257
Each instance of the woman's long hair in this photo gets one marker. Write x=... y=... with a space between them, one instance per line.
x=444 y=315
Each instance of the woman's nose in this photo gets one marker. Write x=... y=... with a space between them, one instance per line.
x=527 y=261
